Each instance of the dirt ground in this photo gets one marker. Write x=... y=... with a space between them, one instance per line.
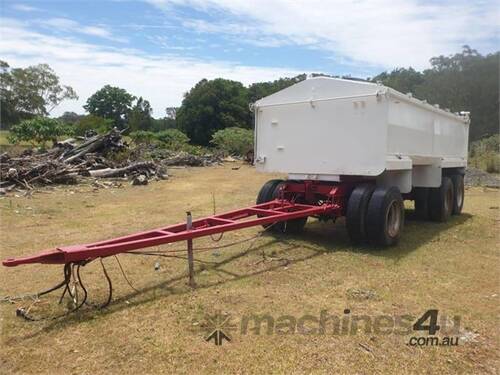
x=161 y=328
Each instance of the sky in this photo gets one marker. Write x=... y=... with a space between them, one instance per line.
x=159 y=49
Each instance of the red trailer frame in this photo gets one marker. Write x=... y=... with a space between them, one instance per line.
x=323 y=199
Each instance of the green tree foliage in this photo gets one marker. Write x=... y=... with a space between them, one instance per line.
x=29 y=92
x=171 y=112
x=140 y=116
x=142 y=137
x=484 y=154
x=401 y=79
x=466 y=81
x=70 y=118
x=38 y=131
x=172 y=137
x=235 y=141
x=163 y=124
x=91 y=122
x=259 y=90
x=213 y=105
x=111 y=103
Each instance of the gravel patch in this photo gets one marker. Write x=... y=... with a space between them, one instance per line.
x=477 y=177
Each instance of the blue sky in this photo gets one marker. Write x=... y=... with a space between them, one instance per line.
x=160 y=48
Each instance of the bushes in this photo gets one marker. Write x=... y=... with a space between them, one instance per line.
x=142 y=137
x=236 y=141
x=38 y=131
x=484 y=154
x=92 y=122
x=171 y=139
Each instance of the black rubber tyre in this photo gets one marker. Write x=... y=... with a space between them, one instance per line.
x=293 y=226
x=385 y=216
x=266 y=194
x=267 y=190
x=357 y=206
x=441 y=201
x=421 y=197
x=458 y=193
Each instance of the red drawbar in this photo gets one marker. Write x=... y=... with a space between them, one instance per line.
x=266 y=213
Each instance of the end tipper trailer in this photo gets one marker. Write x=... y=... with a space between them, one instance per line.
x=349 y=148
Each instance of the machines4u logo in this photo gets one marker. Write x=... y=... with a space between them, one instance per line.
x=218 y=327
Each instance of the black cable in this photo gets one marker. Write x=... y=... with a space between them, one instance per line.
x=110 y=288
x=110 y=285
x=124 y=275
x=36 y=295
x=25 y=313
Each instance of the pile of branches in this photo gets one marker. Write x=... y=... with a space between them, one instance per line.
x=183 y=158
x=170 y=158
x=70 y=160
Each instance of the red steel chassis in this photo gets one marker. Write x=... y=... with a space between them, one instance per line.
x=326 y=200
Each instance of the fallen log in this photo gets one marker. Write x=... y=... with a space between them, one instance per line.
x=119 y=172
x=109 y=141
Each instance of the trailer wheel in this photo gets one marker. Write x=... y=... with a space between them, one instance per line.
x=441 y=201
x=266 y=194
x=458 y=193
x=385 y=216
x=357 y=206
x=267 y=190
x=421 y=197
x=293 y=226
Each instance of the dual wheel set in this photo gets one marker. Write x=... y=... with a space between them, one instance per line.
x=375 y=214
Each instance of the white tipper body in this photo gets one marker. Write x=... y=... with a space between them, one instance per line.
x=326 y=128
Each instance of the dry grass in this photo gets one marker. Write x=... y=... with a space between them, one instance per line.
x=452 y=267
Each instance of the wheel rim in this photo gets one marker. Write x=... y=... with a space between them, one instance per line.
x=460 y=194
x=448 y=200
x=393 y=218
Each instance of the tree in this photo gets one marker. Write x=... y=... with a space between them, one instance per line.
x=171 y=112
x=213 y=105
x=70 y=118
x=111 y=103
x=33 y=91
x=236 y=141
x=465 y=81
x=140 y=116
x=259 y=90
x=401 y=79
x=172 y=138
x=142 y=137
x=163 y=124
x=38 y=131
x=91 y=122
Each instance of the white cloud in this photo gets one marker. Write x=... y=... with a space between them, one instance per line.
x=68 y=25
x=24 y=8
x=161 y=79
x=386 y=33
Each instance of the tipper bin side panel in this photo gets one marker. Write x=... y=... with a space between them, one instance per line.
x=416 y=131
x=450 y=138
x=328 y=137
x=410 y=130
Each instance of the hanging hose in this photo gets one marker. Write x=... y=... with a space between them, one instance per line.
x=24 y=313
x=125 y=276
x=71 y=271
